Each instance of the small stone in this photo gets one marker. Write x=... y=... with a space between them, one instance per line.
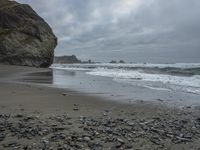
x=10 y=144
x=64 y=94
x=188 y=136
x=87 y=139
x=118 y=145
x=120 y=140
x=131 y=123
x=46 y=142
x=2 y=136
x=128 y=146
x=96 y=133
x=75 y=109
x=37 y=117
x=155 y=141
x=19 y=116
x=183 y=139
x=198 y=120
x=69 y=123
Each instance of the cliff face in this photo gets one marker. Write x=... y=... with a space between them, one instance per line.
x=25 y=38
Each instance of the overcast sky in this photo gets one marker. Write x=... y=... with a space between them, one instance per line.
x=133 y=30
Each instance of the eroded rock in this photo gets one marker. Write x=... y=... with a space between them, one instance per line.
x=25 y=38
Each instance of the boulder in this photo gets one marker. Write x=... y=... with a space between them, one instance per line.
x=25 y=38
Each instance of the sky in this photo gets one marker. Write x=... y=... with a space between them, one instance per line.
x=157 y=31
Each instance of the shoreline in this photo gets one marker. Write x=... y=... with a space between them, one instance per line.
x=19 y=101
x=12 y=85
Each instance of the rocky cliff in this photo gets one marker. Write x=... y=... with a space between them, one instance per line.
x=25 y=38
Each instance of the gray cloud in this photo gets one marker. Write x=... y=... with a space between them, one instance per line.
x=134 y=30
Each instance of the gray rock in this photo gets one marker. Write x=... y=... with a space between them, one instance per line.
x=19 y=116
x=10 y=144
x=76 y=109
x=120 y=140
x=87 y=139
x=2 y=136
x=25 y=38
x=131 y=123
x=45 y=142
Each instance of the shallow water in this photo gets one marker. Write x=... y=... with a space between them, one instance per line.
x=175 y=77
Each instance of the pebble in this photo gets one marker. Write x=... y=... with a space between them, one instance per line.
x=64 y=94
x=19 y=116
x=76 y=109
x=120 y=140
x=131 y=123
x=86 y=138
x=58 y=132
x=2 y=136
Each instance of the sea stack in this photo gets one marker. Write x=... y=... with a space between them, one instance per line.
x=25 y=38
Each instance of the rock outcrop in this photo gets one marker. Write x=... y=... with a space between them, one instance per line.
x=66 y=59
x=25 y=38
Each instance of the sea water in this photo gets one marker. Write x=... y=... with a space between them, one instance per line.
x=170 y=82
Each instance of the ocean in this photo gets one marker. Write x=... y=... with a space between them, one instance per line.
x=172 y=83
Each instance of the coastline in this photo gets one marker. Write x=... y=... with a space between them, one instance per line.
x=34 y=100
x=17 y=94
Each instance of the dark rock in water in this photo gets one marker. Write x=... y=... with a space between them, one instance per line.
x=66 y=59
x=25 y=38
x=113 y=62
x=121 y=61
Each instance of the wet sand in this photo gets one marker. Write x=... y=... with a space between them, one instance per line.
x=87 y=122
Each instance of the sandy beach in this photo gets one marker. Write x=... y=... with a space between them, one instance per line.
x=34 y=116
x=99 y=75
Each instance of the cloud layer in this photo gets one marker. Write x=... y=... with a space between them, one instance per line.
x=134 y=30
